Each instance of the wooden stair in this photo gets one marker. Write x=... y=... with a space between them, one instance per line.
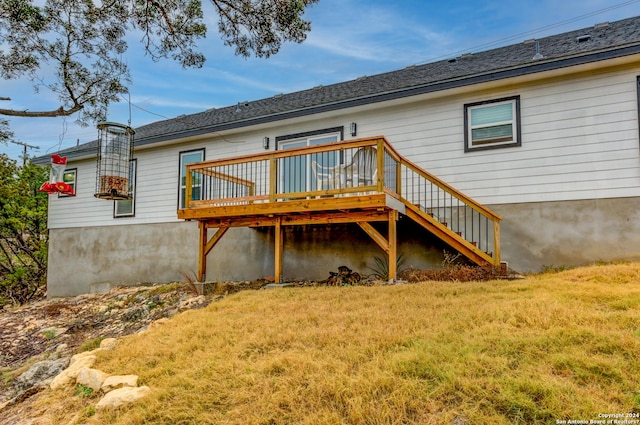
x=454 y=239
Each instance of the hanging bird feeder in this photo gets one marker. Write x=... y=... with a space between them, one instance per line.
x=115 y=150
x=56 y=183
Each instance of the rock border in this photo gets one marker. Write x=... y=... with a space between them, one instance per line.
x=117 y=390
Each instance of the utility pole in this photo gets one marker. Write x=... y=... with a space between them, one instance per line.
x=24 y=152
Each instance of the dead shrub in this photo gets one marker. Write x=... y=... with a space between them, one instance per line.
x=452 y=273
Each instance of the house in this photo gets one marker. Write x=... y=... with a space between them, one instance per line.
x=540 y=140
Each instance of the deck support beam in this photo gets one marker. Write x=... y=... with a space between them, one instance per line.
x=388 y=245
x=205 y=246
x=393 y=245
x=279 y=250
x=202 y=256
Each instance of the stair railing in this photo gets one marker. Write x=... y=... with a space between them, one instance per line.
x=446 y=205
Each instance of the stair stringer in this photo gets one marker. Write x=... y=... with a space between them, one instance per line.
x=448 y=236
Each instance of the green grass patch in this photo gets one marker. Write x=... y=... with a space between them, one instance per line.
x=90 y=344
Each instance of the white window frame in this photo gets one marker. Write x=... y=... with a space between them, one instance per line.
x=71 y=183
x=133 y=169
x=513 y=140
x=182 y=188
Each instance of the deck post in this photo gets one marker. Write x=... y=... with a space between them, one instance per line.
x=188 y=193
x=380 y=165
x=206 y=245
x=273 y=178
x=393 y=245
x=496 y=243
x=399 y=178
x=279 y=250
x=202 y=251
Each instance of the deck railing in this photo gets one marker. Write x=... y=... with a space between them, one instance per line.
x=338 y=170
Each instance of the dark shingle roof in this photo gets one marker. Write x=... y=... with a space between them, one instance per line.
x=610 y=40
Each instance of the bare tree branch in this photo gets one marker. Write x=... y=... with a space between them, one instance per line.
x=60 y=112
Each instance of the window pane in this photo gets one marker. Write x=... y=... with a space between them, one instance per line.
x=492 y=114
x=124 y=207
x=69 y=177
x=186 y=159
x=492 y=124
x=491 y=134
x=293 y=145
x=323 y=140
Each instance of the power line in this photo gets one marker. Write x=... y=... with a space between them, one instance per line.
x=179 y=119
x=25 y=147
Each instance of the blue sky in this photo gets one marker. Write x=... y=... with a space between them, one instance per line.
x=349 y=39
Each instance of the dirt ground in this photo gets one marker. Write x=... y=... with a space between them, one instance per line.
x=62 y=327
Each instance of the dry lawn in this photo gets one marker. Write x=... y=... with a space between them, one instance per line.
x=551 y=347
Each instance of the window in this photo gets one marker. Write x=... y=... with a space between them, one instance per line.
x=492 y=124
x=69 y=177
x=127 y=208
x=186 y=158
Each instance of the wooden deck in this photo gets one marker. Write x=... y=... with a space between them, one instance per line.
x=359 y=181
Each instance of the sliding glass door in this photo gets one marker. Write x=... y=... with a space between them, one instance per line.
x=296 y=172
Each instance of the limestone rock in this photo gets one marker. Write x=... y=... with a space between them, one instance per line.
x=122 y=396
x=40 y=372
x=92 y=378
x=108 y=344
x=192 y=303
x=68 y=376
x=119 y=381
x=61 y=348
x=80 y=356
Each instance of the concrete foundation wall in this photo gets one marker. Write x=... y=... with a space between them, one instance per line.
x=83 y=260
x=570 y=233
x=534 y=235
x=93 y=259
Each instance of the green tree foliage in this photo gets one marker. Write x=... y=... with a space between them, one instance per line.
x=23 y=232
x=5 y=133
x=83 y=42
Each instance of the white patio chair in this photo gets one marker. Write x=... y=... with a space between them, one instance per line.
x=326 y=177
x=363 y=169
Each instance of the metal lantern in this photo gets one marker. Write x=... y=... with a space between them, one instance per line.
x=115 y=151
